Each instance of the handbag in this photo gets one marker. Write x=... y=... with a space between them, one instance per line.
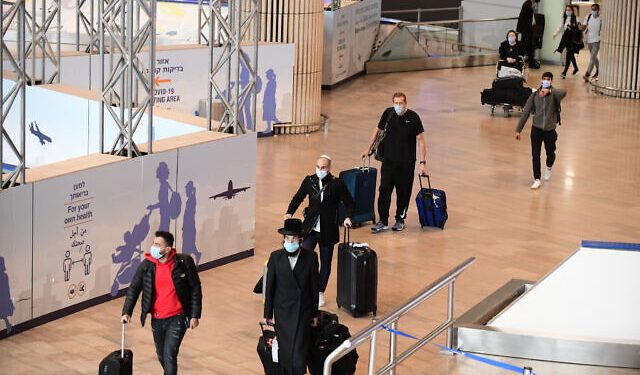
x=377 y=147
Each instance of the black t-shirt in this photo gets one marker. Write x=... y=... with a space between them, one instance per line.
x=400 y=141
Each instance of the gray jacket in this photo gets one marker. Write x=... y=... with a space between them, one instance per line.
x=544 y=109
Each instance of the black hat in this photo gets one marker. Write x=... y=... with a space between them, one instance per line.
x=292 y=227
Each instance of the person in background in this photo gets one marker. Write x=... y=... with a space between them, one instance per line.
x=511 y=51
x=592 y=25
x=321 y=225
x=526 y=20
x=570 y=29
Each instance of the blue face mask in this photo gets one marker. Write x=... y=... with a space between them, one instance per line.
x=546 y=84
x=594 y=13
x=512 y=40
x=291 y=247
x=568 y=13
x=398 y=108
x=321 y=173
x=155 y=252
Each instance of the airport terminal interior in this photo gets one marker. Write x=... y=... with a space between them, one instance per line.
x=512 y=231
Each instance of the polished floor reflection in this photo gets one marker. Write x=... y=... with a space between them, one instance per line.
x=513 y=232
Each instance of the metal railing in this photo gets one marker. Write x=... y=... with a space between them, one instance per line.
x=391 y=320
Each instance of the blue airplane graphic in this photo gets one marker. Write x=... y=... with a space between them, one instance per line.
x=230 y=193
x=41 y=136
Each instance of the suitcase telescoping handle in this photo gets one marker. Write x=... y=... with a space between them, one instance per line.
x=347 y=234
x=428 y=180
x=122 y=342
x=366 y=166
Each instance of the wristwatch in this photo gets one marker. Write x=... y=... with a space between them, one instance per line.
x=423 y=162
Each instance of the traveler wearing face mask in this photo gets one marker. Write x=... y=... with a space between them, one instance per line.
x=171 y=293
x=325 y=192
x=545 y=107
x=403 y=128
x=291 y=297
x=511 y=51
x=592 y=25
x=571 y=37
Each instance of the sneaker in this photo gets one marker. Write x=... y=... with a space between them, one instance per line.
x=379 y=227
x=585 y=78
x=320 y=299
x=547 y=174
x=398 y=226
x=575 y=71
x=563 y=75
x=536 y=184
x=595 y=76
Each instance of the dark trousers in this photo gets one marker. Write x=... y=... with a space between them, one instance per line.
x=571 y=59
x=538 y=137
x=527 y=43
x=398 y=175
x=326 y=256
x=167 y=335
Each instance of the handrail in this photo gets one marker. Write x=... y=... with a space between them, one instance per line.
x=615 y=89
x=387 y=11
x=461 y=20
x=369 y=333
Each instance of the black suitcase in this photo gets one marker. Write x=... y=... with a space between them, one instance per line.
x=119 y=362
x=361 y=183
x=264 y=352
x=516 y=97
x=357 y=278
x=325 y=338
x=508 y=83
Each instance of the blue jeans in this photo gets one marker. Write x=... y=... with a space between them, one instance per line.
x=167 y=335
x=326 y=256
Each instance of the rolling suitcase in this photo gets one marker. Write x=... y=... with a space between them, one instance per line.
x=326 y=338
x=264 y=352
x=119 y=362
x=361 y=183
x=508 y=83
x=357 y=278
x=432 y=206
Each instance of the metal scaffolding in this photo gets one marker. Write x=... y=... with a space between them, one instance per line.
x=127 y=78
x=203 y=22
x=230 y=64
x=85 y=20
x=14 y=15
x=44 y=57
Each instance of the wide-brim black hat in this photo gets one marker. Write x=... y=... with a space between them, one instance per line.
x=292 y=227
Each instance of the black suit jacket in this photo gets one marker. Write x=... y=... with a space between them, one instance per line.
x=507 y=50
x=291 y=296
x=335 y=192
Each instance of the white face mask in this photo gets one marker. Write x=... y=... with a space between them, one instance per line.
x=321 y=173
x=398 y=108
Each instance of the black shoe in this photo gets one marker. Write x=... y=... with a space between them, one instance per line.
x=575 y=71
x=595 y=75
x=563 y=75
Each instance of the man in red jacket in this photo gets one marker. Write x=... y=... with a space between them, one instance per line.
x=171 y=293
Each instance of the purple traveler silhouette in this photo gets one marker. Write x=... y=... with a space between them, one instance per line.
x=6 y=303
x=129 y=255
x=269 y=105
x=189 y=224
x=169 y=207
x=245 y=113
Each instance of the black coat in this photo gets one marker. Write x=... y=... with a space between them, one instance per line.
x=292 y=298
x=335 y=192
x=185 y=280
x=507 y=50
x=525 y=19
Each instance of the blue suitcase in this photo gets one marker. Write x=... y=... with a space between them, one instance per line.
x=361 y=183
x=432 y=206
